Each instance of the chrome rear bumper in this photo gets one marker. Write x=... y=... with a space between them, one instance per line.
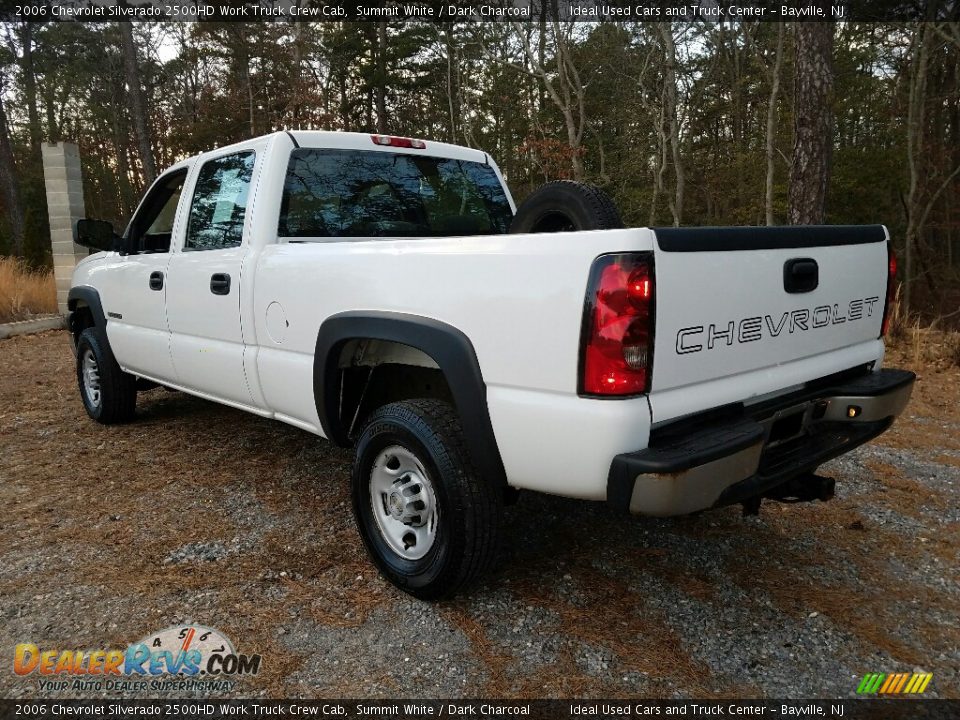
x=714 y=461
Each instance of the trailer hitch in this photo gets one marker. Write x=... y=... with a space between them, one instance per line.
x=803 y=488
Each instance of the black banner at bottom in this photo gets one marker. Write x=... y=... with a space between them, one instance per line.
x=890 y=709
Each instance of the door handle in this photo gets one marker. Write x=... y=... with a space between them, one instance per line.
x=156 y=280
x=800 y=275
x=220 y=284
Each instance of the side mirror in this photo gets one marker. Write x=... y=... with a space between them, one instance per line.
x=96 y=235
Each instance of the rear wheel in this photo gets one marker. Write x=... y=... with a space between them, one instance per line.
x=428 y=519
x=109 y=395
x=566 y=206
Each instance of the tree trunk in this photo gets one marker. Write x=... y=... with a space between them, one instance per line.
x=915 y=127
x=138 y=104
x=663 y=145
x=30 y=87
x=380 y=86
x=813 y=122
x=772 y=123
x=453 y=84
x=670 y=111
x=11 y=184
x=368 y=100
x=119 y=131
x=922 y=163
x=50 y=110
x=248 y=81
x=567 y=93
x=296 y=101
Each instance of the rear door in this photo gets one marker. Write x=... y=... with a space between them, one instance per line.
x=203 y=284
x=739 y=305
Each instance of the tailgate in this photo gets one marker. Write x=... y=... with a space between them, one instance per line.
x=735 y=300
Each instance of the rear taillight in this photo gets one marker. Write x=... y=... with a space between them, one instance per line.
x=394 y=141
x=891 y=288
x=616 y=353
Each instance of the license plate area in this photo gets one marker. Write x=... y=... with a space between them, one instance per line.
x=787 y=424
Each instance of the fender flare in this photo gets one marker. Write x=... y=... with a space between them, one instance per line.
x=450 y=349
x=91 y=298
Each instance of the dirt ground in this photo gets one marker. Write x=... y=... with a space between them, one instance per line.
x=199 y=513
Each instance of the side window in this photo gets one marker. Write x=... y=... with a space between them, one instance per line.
x=152 y=227
x=220 y=203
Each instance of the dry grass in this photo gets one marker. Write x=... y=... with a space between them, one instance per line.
x=923 y=347
x=25 y=292
x=952 y=347
x=897 y=328
x=923 y=344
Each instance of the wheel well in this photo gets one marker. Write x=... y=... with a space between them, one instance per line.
x=81 y=318
x=373 y=373
x=354 y=348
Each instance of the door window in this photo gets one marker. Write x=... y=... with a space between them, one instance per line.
x=152 y=227
x=220 y=203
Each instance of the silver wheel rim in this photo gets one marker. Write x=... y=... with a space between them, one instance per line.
x=91 y=378
x=403 y=502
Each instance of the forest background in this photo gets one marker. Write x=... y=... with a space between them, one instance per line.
x=704 y=123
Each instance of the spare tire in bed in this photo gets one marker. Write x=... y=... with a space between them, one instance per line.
x=565 y=205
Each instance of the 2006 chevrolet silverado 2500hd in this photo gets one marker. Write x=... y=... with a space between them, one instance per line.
x=385 y=293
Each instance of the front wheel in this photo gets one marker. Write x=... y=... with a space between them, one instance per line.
x=428 y=519
x=109 y=394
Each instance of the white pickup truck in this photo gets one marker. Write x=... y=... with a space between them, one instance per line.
x=387 y=294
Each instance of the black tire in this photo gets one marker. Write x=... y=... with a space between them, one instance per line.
x=468 y=508
x=563 y=206
x=117 y=390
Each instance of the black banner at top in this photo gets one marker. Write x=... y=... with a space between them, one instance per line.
x=478 y=10
x=191 y=709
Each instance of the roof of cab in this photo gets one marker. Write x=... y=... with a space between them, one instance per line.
x=364 y=141
x=350 y=141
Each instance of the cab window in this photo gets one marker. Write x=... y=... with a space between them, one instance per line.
x=331 y=193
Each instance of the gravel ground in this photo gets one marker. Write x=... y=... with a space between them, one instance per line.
x=199 y=513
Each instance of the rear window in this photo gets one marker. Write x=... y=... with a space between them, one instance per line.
x=357 y=193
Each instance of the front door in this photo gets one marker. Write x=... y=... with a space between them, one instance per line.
x=203 y=285
x=134 y=289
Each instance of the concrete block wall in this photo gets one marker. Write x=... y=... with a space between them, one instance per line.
x=64 y=183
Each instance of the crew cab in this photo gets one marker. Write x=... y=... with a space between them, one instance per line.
x=387 y=294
